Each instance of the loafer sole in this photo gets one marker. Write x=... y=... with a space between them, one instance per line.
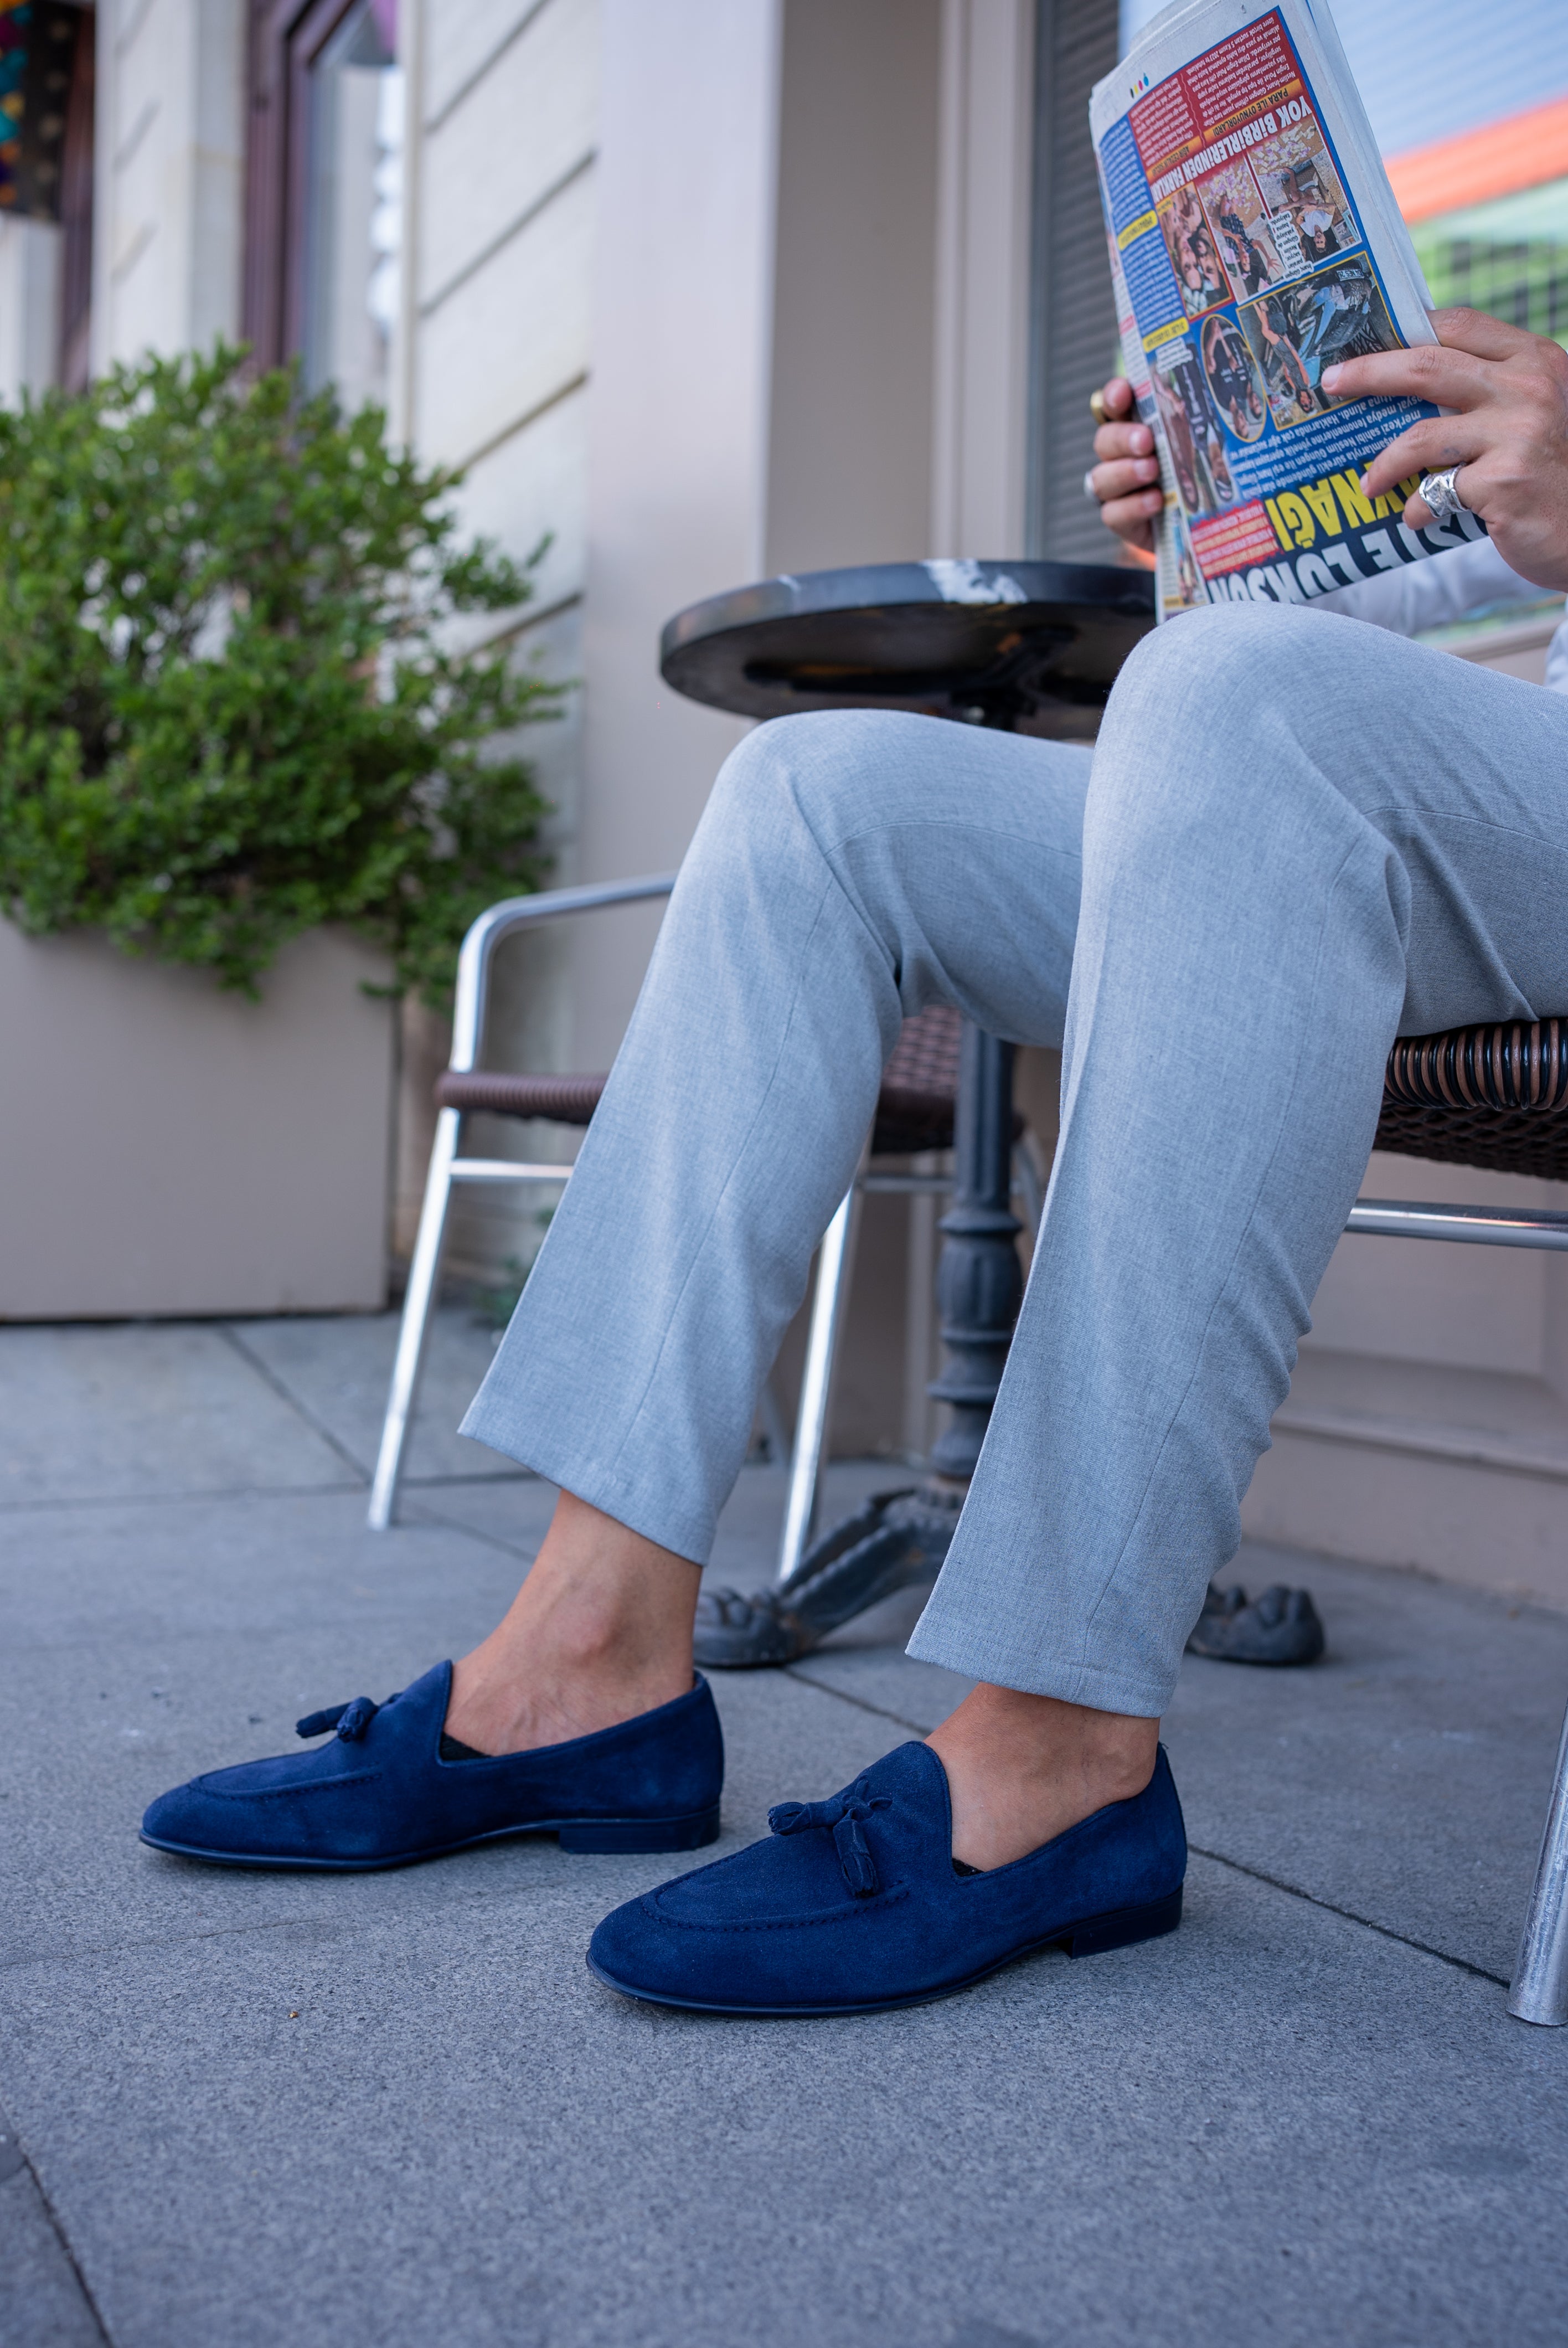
x=1091 y=1937
x=689 y=1833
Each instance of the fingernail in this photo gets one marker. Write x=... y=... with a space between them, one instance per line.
x=1331 y=376
x=1366 y=476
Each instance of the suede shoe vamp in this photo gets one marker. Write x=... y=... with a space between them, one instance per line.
x=777 y=1928
x=383 y=1794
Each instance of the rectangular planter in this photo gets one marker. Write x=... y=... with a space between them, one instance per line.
x=169 y=1149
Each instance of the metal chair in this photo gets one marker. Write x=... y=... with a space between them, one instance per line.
x=463 y=1087
x=913 y=1115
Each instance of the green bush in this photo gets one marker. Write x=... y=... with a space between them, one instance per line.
x=233 y=702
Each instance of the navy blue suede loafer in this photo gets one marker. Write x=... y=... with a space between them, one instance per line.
x=855 y=1903
x=381 y=1795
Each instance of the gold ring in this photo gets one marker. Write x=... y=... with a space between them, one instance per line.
x=1097 y=407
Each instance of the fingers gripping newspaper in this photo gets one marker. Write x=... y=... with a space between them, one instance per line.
x=1255 y=240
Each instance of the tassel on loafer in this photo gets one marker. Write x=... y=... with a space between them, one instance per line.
x=855 y=1904
x=379 y=1793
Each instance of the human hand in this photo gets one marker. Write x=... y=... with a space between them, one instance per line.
x=1121 y=479
x=1509 y=434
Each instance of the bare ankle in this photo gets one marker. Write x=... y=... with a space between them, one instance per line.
x=1022 y=1769
x=601 y=1630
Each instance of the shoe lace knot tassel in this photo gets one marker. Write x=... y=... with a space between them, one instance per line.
x=842 y=1817
x=350 y=1720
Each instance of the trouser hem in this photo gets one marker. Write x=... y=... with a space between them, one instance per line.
x=1004 y=1665
x=612 y=1495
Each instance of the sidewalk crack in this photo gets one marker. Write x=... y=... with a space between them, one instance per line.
x=825 y=1687
x=56 y=2227
x=268 y=1376
x=1351 y=1916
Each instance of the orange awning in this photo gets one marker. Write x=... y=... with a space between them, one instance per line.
x=1498 y=159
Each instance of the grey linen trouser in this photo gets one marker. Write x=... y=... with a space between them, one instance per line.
x=1297 y=837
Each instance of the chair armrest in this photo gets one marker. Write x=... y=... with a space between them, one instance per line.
x=499 y=921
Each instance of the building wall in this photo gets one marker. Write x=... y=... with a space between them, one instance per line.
x=169 y=171
x=29 y=306
x=985 y=239
x=678 y=427
x=492 y=370
x=848 y=461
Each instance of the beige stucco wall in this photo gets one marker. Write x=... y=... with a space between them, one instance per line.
x=168 y=172
x=29 y=306
x=492 y=368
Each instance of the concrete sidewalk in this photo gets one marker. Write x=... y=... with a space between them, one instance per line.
x=394 y=2110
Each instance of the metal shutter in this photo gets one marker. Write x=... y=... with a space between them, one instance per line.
x=1072 y=325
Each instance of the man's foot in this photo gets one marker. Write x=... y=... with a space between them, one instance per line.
x=598 y=1633
x=1021 y=1769
x=380 y=1792
x=855 y=1903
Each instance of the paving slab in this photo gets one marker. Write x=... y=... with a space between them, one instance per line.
x=91 y=1414
x=337 y=1371
x=385 y=2118
x=42 y=2301
x=258 y=2107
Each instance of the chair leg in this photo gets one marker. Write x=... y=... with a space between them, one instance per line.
x=424 y=1274
x=1540 y=1991
x=834 y=1264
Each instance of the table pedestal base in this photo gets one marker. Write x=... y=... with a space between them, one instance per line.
x=895 y=1540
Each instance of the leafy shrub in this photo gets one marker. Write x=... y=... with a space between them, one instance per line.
x=234 y=700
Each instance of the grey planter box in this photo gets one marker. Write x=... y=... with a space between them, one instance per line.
x=167 y=1148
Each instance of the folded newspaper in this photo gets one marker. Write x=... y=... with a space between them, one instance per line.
x=1255 y=240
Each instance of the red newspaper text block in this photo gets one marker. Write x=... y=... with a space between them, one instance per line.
x=1233 y=540
x=1254 y=67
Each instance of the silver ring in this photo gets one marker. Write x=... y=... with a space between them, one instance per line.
x=1089 y=489
x=1439 y=490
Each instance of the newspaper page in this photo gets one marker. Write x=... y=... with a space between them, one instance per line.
x=1254 y=239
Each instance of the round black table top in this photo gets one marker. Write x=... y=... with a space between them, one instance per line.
x=1035 y=646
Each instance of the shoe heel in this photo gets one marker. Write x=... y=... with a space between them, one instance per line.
x=1119 y=1930
x=644 y=1834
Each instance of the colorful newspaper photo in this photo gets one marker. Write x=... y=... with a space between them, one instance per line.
x=1243 y=271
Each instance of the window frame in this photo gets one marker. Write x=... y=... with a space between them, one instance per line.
x=73 y=358
x=287 y=37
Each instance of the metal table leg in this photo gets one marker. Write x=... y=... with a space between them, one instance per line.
x=979 y=1280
